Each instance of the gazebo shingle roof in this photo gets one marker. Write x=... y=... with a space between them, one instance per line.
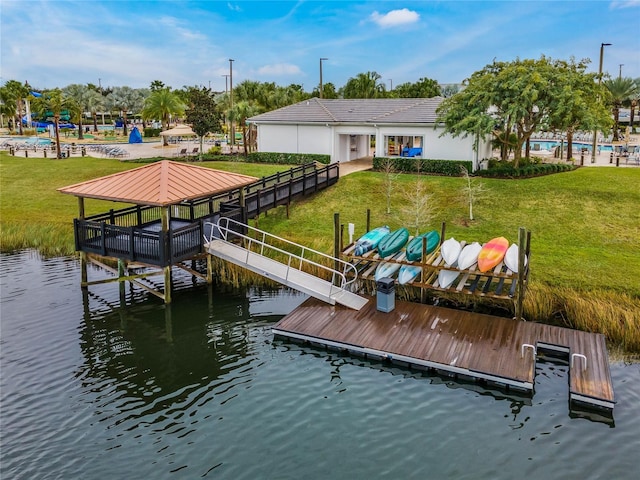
x=376 y=110
x=159 y=184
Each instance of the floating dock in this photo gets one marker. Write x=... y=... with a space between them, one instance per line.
x=454 y=342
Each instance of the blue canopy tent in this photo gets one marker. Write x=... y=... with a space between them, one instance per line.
x=134 y=136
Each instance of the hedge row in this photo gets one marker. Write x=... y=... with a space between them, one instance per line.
x=531 y=170
x=424 y=165
x=287 y=158
x=152 y=132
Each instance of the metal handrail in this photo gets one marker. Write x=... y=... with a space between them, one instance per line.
x=528 y=345
x=579 y=355
x=301 y=260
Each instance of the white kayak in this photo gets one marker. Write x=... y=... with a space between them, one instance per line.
x=408 y=274
x=450 y=250
x=386 y=270
x=469 y=255
x=447 y=277
x=511 y=258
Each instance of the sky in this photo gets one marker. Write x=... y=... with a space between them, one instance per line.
x=125 y=42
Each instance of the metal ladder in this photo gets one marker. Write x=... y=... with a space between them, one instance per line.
x=252 y=255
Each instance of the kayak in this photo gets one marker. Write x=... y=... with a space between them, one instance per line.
x=386 y=270
x=370 y=240
x=469 y=255
x=447 y=277
x=407 y=274
x=450 y=250
x=511 y=258
x=492 y=253
x=414 y=249
x=393 y=242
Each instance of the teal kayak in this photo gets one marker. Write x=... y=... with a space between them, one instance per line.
x=370 y=240
x=414 y=249
x=393 y=242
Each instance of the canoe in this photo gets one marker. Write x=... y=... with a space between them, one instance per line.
x=447 y=277
x=469 y=255
x=393 y=242
x=370 y=240
x=450 y=251
x=414 y=249
x=511 y=258
x=407 y=274
x=492 y=253
x=386 y=270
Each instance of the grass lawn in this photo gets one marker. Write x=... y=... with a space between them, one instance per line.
x=585 y=224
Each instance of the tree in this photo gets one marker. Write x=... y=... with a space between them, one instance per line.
x=126 y=100
x=239 y=114
x=77 y=96
x=202 y=113
x=328 y=91
x=621 y=90
x=471 y=191
x=634 y=101
x=156 y=85
x=504 y=97
x=14 y=95
x=449 y=90
x=578 y=102
x=94 y=102
x=53 y=101
x=364 y=85
x=161 y=105
x=423 y=88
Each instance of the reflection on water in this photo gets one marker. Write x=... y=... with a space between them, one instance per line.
x=94 y=387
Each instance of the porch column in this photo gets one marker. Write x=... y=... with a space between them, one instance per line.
x=83 y=255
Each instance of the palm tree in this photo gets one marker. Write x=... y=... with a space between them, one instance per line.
x=161 y=104
x=126 y=100
x=77 y=94
x=239 y=114
x=53 y=101
x=15 y=94
x=95 y=101
x=621 y=89
x=634 y=102
x=364 y=85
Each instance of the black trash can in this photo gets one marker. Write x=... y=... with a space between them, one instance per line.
x=386 y=294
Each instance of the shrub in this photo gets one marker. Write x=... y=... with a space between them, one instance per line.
x=424 y=165
x=507 y=170
x=152 y=132
x=287 y=158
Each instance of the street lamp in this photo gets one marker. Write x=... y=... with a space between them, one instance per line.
x=231 y=129
x=390 y=84
x=594 y=145
x=321 y=74
x=620 y=71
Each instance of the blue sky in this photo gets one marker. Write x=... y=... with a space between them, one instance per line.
x=121 y=42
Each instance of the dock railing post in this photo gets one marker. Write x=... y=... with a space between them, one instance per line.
x=522 y=252
x=336 y=241
x=368 y=220
x=423 y=273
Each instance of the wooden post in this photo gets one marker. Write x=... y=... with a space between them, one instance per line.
x=209 y=269
x=368 y=220
x=167 y=284
x=121 y=273
x=443 y=231
x=423 y=274
x=81 y=208
x=522 y=250
x=83 y=270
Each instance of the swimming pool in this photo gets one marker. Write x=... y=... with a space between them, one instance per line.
x=550 y=144
x=38 y=141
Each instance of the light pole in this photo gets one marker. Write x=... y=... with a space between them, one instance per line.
x=321 y=59
x=226 y=83
x=594 y=145
x=390 y=84
x=620 y=71
x=231 y=129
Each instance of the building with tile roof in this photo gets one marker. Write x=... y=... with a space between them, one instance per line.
x=346 y=129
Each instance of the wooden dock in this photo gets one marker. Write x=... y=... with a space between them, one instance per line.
x=479 y=346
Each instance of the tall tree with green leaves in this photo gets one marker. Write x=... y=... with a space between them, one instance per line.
x=126 y=100
x=622 y=89
x=53 y=101
x=364 y=85
x=161 y=105
x=577 y=103
x=505 y=97
x=423 y=88
x=14 y=94
x=239 y=114
x=202 y=113
x=77 y=95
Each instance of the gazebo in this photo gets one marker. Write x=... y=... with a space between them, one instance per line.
x=164 y=227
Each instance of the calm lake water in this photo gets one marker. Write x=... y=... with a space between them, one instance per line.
x=91 y=389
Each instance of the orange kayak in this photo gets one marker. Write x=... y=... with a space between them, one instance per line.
x=492 y=253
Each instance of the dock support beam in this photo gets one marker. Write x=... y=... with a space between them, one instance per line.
x=167 y=284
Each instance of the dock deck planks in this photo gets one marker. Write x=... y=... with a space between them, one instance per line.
x=478 y=345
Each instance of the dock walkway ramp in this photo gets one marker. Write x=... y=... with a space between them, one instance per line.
x=288 y=263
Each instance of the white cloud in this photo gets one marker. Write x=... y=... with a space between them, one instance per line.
x=279 y=69
x=395 y=18
x=615 y=5
x=234 y=8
